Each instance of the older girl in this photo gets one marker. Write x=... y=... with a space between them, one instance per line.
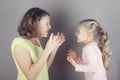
x=31 y=60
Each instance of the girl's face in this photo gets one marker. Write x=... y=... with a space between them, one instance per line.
x=81 y=34
x=44 y=26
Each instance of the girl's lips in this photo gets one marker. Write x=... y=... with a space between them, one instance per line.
x=76 y=37
x=47 y=32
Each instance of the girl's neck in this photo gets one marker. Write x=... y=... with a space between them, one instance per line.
x=35 y=41
x=88 y=41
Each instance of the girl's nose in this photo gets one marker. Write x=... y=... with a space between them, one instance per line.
x=49 y=27
x=76 y=34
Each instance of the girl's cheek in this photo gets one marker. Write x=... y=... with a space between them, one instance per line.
x=78 y=38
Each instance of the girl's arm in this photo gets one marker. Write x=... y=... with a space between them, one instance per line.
x=53 y=53
x=91 y=60
x=51 y=58
x=23 y=58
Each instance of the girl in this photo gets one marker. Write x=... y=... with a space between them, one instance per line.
x=31 y=60
x=96 y=53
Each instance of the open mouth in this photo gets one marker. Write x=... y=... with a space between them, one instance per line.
x=47 y=32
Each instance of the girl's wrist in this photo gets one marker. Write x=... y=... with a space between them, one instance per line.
x=74 y=64
x=47 y=51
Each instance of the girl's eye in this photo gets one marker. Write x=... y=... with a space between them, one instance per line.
x=48 y=24
x=78 y=31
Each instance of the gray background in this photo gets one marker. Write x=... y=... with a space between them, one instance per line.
x=65 y=14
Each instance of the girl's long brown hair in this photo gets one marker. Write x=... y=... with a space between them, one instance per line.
x=28 y=26
x=101 y=36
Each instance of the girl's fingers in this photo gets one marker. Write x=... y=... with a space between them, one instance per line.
x=62 y=37
x=72 y=56
x=58 y=38
x=68 y=58
x=51 y=36
x=71 y=59
x=71 y=50
x=61 y=34
x=58 y=33
x=68 y=54
x=55 y=38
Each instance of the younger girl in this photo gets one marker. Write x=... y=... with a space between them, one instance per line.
x=96 y=53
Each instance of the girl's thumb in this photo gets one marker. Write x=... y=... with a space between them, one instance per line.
x=51 y=36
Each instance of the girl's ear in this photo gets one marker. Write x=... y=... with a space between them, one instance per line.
x=90 y=34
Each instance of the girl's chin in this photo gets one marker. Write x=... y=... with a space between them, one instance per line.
x=78 y=41
x=44 y=36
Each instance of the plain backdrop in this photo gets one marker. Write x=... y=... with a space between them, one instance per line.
x=65 y=14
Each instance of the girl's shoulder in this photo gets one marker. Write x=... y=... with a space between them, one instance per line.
x=18 y=40
x=92 y=48
x=91 y=45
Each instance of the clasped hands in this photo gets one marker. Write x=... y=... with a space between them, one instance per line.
x=72 y=56
x=55 y=41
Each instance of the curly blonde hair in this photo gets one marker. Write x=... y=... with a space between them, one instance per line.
x=101 y=36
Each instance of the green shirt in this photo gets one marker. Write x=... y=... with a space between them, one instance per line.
x=35 y=52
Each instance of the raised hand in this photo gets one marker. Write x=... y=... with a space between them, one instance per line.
x=54 y=42
x=73 y=54
x=61 y=38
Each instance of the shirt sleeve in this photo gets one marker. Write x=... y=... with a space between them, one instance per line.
x=90 y=61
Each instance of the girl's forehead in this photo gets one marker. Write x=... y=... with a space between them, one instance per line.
x=80 y=26
x=46 y=17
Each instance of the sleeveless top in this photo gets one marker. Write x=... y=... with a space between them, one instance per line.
x=35 y=52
